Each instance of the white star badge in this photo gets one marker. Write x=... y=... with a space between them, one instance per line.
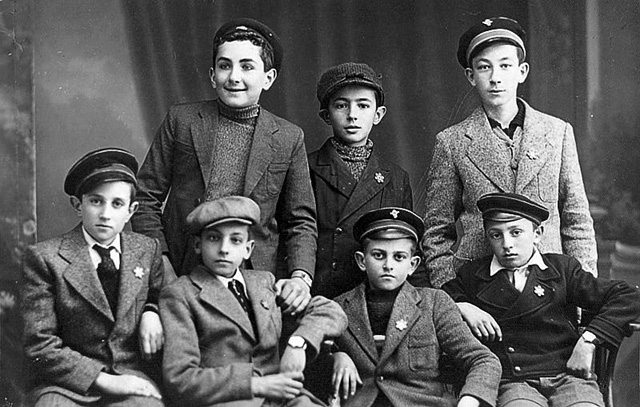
x=401 y=325
x=138 y=272
x=487 y=22
x=538 y=290
x=379 y=178
x=394 y=213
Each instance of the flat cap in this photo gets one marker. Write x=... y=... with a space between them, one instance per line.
x=487 y=31
x=389 y=223
x=348 y=73
x=506 y=207
x=255 y=26
x=102 y=165
x=223 y=210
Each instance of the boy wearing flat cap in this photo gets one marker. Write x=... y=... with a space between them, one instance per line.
x=503 y=146
x=232 y=146
x=390 y=353
x=225 y=322
x=89 y=297
x=523 y=304
x=349 y=177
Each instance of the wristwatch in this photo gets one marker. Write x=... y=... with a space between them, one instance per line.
x=303 y=276
x=297 y=342
x=589 y=337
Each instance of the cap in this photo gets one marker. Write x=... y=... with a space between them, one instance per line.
x=506 y=207
x=102 y=165
x=487 y=31
x=389 y=223
x=348 y=73
x=251 y=25
x=223 y=210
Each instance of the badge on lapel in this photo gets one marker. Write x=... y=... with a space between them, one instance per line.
x=265 y=304
x=533 y=154
x=138 y=272
x=401 y=324
x=538 y=290
x=379 y=177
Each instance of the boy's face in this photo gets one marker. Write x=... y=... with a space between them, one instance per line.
x=223 y=247
x=105 y=210
x=496 y=73
x=238 y=75
x=352 y=112
x=513 y=242
x=387 y=263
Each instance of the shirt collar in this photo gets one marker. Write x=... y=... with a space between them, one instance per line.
x=535 y=260
x=517 y=121
x=116 y=244
x=237 y=276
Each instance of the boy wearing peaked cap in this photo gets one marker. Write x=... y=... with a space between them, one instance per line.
x=522 y=304
x=225 y=322
x=390 y=353
x=89 y=297
x=349 y=177
x=233 y=146
x=503 y=146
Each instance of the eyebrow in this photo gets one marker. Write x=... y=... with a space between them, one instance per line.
x=241 y=61
x=363 y=99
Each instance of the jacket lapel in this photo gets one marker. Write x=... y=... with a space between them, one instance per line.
x=130 y=269
x=405 y=310
x=261 y=150
x=332 y=170
x=262 y=299
x=203 y=136
x=359 y=326
x=80 y=273
x=537 y=292
x=373 y=180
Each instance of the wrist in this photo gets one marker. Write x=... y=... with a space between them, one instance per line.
x=297 y=342
x=590 y=337
x=303 y=275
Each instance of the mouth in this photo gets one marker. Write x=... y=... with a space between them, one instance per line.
x=104 y=226
x=234 y=90
x=496 y=91
x=222 y=261
x=352 y=129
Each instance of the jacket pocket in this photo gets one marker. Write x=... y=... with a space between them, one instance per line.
x=271 y=183
x=423 y=355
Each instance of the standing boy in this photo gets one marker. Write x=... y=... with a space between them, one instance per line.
x=503 y=146
x=523 y=304
x=89 y=297
x=225 y=323
x=397 y=333
x=232 y=146
x=348 y=176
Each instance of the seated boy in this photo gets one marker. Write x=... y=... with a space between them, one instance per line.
x=397 y=332
x=225 y=323
x=523 y=305
x=89 y=297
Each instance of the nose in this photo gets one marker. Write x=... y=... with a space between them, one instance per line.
x=507 y=243
x=224 y=246
x=495 y=76
x=387 y=265
x=352 y=113
x=105 y=213
x=235 y=74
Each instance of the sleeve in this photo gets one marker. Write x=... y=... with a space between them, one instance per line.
x=183 y=374
x=45 y=351
x=323 y=318
x=443 y=207
x=576 y=225
x=407 y=197
x=157 y=279
x=457 y=289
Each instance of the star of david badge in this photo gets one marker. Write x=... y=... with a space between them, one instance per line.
x=488 y=22
x=401 y=325
x=538 y=290
x=138 y=272
x=533 y=155
x=394 y=213
x=379 y=178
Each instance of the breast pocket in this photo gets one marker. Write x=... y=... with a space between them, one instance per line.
x=273 y=179
x=423 y=355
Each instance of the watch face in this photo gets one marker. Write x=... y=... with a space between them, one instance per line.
x=296 y=342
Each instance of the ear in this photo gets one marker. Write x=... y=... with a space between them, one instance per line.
x=76 y=204
x=468 y=72
x=324 y=115
x=380 y=112
x=269 y=77
x=133 y=207
x=359 y=256
x=212 y=76
x=537 y=234
x=250 y=245
x=197 y=247
x=415 y=261
x=524 y=72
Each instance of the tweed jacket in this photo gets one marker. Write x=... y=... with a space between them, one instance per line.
x=70 y=333
x=538 y=325
x=340 y=201
x=178 y=165
x=469 y=160
x=407 y=371
x=213 y=351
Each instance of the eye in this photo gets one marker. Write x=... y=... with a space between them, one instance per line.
x=506 y=66
x=340 y=105
x=224 y=65
x=363 y=105
x=400 y=256
x=236 y=240
x=377 y=255
x=118 y=204
x=95 y=201
x=248 y=67
x=516 y=232
x=494 y=236
x=482 y=67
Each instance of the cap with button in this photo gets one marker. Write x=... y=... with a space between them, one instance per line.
x=507 y=207
x=255 y=26
x=389 y=223
x=102 y=165
x=487 y=31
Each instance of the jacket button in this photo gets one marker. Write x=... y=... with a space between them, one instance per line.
x=381 y=378
x=517 y=369
x=334 y=265
x=339 y=231
x=510 y=349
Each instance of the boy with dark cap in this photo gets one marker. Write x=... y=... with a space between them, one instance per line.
x=503 y=146
x=232 y=146
x=349 y=177
x=397 y=333
x=523 y=305
x=225 y=323
x=89 y=297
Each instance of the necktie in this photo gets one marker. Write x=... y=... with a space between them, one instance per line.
x=237 y=289
x=108 y=276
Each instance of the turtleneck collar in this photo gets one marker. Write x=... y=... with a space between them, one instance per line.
x=242 y=114
x=351 y=153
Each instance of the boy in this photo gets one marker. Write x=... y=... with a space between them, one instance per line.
x=225 y=323
x=523 y=305
x=503 y=146
x=89 y=297
x=348 y=176
x=232 y=146
x=397 y=332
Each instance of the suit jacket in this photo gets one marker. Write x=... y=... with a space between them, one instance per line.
x=213 y=351
x=539 y=329
x=70 y=333
x=407 y=371
x=340 y=201
x=178 y=165
x=468 y=162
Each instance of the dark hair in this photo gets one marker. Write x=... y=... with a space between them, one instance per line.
x=93 y=184
x=266 y=50
x=483 y=46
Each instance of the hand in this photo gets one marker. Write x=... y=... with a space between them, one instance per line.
x=579 y=364
x=281 y=386
x=169 y=271
x=345 y=376
x=293 y=360
x=294 y=293
x=125 y=385
x=468 y=401
x=150 y=334
x=480 y=322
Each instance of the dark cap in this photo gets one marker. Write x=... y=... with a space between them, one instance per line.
x=348 y=73
x=490 y=30
x=255 y=26
x=103 y=165
x=504 y=207
x=389 y=223
x=228 y=209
